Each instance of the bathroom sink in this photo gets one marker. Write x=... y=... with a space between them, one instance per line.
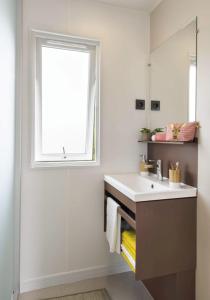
x=139 y=188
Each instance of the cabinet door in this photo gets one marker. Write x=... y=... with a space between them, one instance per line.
x=166 y=237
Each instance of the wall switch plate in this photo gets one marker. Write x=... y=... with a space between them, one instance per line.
x=155 y=105
x=140 y=104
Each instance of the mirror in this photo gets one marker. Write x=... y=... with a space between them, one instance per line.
x=173 y=73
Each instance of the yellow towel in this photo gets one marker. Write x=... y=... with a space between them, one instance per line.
x=129 y=242
x=131 y=251
x=128 y=261
x=129 y=237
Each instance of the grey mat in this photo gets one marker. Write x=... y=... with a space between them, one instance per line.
x=94 y=295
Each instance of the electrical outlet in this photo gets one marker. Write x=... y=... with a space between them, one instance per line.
x=140 y=104
x=155 y=105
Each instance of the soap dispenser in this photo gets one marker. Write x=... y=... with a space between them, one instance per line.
x=143 y=166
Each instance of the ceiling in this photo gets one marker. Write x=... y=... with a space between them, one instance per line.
x=146 y=5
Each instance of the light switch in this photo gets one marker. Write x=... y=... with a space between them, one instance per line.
x=140 y=104
x=155 y=105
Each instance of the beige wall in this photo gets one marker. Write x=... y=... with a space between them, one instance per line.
x=166 y=20
x=62 y=235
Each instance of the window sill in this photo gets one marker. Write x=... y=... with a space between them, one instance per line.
x=65 y=164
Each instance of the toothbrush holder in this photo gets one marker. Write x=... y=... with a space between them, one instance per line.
x=174 y=178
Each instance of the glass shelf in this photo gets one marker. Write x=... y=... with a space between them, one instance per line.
x=169 y=142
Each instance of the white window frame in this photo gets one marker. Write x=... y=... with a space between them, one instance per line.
x=40 y=38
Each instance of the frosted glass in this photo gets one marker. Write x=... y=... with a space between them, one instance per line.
x=65 y=93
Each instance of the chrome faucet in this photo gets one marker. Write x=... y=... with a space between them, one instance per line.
x=159 y=170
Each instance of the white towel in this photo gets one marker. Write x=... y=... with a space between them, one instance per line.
x=113 y=226
x=130 y=258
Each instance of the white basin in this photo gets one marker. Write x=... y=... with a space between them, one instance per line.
x=139 y=188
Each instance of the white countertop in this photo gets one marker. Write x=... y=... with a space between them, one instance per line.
x=148 y=188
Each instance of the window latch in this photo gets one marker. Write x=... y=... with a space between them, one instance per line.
x=64 y=153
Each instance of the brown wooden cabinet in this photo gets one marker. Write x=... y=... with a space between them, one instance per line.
x=165 y=243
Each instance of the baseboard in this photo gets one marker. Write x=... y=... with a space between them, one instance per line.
x=71 y=277
x=15 y=296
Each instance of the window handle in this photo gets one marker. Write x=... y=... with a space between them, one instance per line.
x=64 y=153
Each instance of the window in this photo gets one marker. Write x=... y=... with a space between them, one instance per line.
x=66 y=100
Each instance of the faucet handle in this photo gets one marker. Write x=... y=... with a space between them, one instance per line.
x=151 y=164
x=152 y=161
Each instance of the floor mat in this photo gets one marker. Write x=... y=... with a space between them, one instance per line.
x=93 y=295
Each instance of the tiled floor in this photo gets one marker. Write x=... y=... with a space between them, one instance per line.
x=120 y=287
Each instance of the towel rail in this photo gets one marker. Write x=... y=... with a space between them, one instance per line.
x=127 y=218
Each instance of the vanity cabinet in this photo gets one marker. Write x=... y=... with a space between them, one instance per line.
x=165 y=243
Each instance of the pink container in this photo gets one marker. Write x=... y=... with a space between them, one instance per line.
x=172 y=131
x=160 y=136
x=187 y=132
x=183 y=132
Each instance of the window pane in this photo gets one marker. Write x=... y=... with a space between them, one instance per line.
x=65 y=90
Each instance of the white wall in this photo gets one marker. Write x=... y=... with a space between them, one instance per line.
x=165 y=20
x=7 y=136
x=62 y=209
